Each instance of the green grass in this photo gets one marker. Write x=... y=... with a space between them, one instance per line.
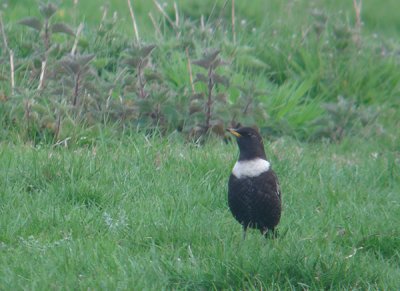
x=381 y=19
x=152 y=213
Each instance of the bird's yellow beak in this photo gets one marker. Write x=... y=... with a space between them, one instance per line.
x=234 y=132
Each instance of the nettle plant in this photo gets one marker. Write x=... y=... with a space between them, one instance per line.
x=46 y=27
x=343 y=118
x=70 y=91
x=78 y=78
x=247 y=109
x=137 y=60
x=148 y=99
x=208 y=107
x=72 y=96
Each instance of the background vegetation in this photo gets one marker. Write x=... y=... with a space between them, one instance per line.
x=310 y=70
x=112 y=161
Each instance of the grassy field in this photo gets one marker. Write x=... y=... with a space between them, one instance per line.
x=122 y=189
x=152 y=213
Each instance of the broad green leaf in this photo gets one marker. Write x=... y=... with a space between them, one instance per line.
x=62 y=28
x=32 y=22
x=208 y=60
x=71 y=65
x=201 y=78
x=83 y=60
x=221 y=80
x=146 y=51
x=48 y=10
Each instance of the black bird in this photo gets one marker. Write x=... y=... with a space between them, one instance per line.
x=254 y=195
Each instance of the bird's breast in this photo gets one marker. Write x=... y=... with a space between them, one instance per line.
x=250 y=168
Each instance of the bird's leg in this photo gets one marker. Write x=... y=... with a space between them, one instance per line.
x=244 y=232
x=270 y=233
x=275 y=233
x=264 y=232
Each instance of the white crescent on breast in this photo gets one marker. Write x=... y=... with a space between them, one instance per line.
x=250 y=168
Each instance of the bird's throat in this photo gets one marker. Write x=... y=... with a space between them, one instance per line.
x=250 y=168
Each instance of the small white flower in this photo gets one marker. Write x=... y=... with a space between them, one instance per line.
x=117 y=223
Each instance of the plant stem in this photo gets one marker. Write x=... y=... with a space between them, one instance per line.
x=189 y=67
x=157 y=29
x=135 y=29
x=41 y=80
x=78 y=32
x=46 y=41
x=233 y=22
x=247 y=106
x=176 y=14
x=209 y=98
x=27 y=116
x=141 y=81
x=46 y=36
x=11 y=54
x=159 y=7
x=357 y=8
x=76 y=89
x=3 y=33
x=12 y=71
x=58 y=126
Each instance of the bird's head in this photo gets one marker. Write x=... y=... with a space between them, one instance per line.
x=250 y=143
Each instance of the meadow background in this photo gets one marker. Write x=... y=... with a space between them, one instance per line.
x=114 y=161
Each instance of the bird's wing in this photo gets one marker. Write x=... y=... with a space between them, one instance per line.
x=272 y=183
x=278 y=186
